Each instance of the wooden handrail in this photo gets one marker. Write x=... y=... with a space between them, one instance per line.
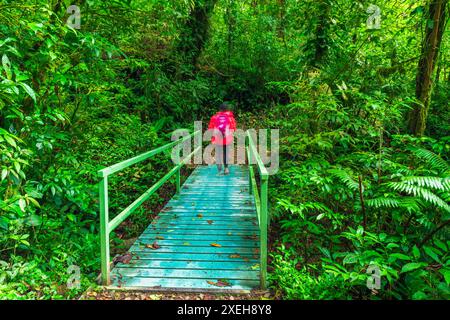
x=261 y=203
x=106 y=226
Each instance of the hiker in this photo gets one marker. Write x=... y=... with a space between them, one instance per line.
x=223 y=124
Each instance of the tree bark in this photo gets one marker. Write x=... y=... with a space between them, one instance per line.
x=195 y=32
x=321 y=42
x=427 y=63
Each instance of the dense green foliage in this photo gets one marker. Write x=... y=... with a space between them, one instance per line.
x=354 y=189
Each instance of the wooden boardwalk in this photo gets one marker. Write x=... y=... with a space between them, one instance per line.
x=205 y=239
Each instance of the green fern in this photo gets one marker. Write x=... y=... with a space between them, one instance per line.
x=421 y=192
x=432 y=159
x=437 y=183
x=411 y=204
x=345 y=178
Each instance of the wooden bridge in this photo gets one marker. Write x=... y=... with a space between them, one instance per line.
x=211 y=236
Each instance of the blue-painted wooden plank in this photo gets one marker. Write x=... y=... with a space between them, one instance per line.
x=193 y=256
x=235 y=264
x=241 y=243
x=185 y=284
x=189 y=249
x=202 y=236
x=187 y=273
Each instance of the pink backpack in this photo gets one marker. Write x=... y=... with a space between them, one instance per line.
x=223 y=122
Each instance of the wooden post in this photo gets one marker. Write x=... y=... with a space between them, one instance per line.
x=263 y=230
x=178 y=180
x=104 y=230
x=249 y=156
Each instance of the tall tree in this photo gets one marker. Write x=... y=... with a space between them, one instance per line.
x=435 y=25
x=195 y=32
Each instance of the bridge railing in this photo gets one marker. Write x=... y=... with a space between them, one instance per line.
x=106 y=225
x=261 y=201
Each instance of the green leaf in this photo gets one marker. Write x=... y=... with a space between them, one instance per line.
x=28 y=90
x=4 y=174
x=11 y=141
x=429 y=251
x=400 y=256
x=440 y=245
x=350 y=258
x=22 y=204
x=412 y=266
x=7 y=66
x=446 y=273
x=416 y=252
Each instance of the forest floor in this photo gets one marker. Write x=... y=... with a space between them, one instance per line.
x=105 y=294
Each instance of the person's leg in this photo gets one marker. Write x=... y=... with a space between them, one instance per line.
x=219 y=156
x=226 y=155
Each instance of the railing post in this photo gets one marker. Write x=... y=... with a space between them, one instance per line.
x=263 y=230
x=178 y=180
x=104 y=230
x=249 y=153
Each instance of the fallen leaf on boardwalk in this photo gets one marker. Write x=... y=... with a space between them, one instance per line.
x=125 y=258
x=200 y=215
x=255 y=266
x=235 y=256
x=169 y=230
x=210 y=221
x=220 y=283
x=246 y=259
x=153 y=246
x=215 y=245
x=159 y=238
x=229 y=233
x=186 y=244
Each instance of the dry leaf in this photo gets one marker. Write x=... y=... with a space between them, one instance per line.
x=220 y=283
x=125 y=258
x=215 y=245
x=210 y=221
x=200 y=215
x=235 y=256
x=223 y=283
x=159 y=238
x=153 y=246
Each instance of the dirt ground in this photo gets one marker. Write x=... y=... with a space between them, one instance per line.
x=104 y=294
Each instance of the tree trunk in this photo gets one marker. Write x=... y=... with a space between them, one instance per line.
x=427 y=63
x=195 y=33
x=321 y=43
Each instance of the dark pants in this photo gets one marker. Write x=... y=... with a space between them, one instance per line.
x=223 y=155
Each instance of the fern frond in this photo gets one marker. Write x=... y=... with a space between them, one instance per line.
x=432 y=159
x=408 y=203
x=441 y=184
x=383 y=202
x=421 y=192
x=345 y=178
